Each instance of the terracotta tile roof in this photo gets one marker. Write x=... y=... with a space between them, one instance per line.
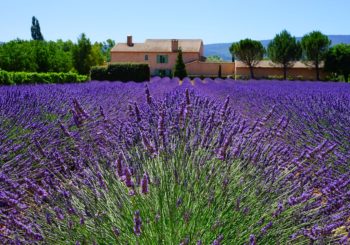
x=270 y=64
x=159 y=45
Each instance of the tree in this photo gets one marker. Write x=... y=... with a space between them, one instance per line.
x=82 y=55
x=232 y=53
x=180 y=68
x=17 y=55
x=96 y=56
x=338 y=60
x=250 y=52
x=42 y=55
x=106 y=49
x=315 y=46
x=35 y=29
x=284 y=50
x=219 y=72
x=214 y=58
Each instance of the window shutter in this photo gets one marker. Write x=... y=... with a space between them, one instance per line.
x=158 y=58
x=165 y=59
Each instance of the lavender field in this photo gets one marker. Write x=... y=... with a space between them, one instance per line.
x=175 y=162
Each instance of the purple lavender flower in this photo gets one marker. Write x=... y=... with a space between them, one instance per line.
x=252 y=240
x=185 y=241
x=116 y=231
x=119 y=165
x=218 y=240
x=101 y=180
x=137 y=223
x=70 y=224
x=48 y=218
x=266 y=227
x=179 y=202
x=148 y=95
x=59 y=213
x=148 y=145
x=128 y=178
x=144 y=184
x=137 y=113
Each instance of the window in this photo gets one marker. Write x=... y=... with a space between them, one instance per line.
x=146 y=57
x=163 y=72
x=163 y=59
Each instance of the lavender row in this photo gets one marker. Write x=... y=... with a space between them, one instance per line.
x=175 y=164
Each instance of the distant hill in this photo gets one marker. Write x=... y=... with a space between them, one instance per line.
x=221 y=49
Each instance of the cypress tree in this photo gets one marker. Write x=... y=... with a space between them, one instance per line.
x=35 y=29
x=180 y=68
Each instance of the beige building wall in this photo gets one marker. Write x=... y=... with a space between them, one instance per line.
x=139 y=57
x=295 y=73
x=210 y=68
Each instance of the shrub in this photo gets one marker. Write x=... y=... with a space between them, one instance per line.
x=13 y=78
x=98 y=73
x=121 y=72
x=5 y=78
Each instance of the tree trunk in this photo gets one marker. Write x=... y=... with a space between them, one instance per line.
x=251 y=72
x=284 y=72
x=317 y=72
x=346 y=77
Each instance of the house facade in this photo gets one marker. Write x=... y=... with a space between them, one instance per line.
x=161 y=54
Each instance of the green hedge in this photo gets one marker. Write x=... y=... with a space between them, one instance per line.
x=12 y=78
x=121 y=72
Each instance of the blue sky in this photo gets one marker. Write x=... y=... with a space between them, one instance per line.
x=211 y=20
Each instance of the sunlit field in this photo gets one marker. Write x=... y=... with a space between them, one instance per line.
x=175 y=162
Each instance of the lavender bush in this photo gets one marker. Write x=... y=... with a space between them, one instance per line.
x=204 y=162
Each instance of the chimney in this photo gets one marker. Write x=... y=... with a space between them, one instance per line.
x=174 y=45
x=129 y=41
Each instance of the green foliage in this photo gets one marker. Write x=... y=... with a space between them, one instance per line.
x=36 y=56
x=214 y=58
x=248 y=51
x=180 y=68
x=315 y=46
x=284 y=50
x=49 y=56
x=121 y=72
x=13 y=78
x=338 y=60
x=106 y=49
x=86 y=55
x=193 y=195
x=98 y=73
x=17 y=55
x=35 y=29
x=81 y=55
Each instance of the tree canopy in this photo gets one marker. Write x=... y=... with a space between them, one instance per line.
x=35 y=29
x=284 y=50
x=315 y=46
x=86 y=55
x=248 y=51
x=48 y=56
x=338 y=60
x=214 y=58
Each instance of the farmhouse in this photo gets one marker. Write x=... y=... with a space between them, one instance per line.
x=161 y=54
